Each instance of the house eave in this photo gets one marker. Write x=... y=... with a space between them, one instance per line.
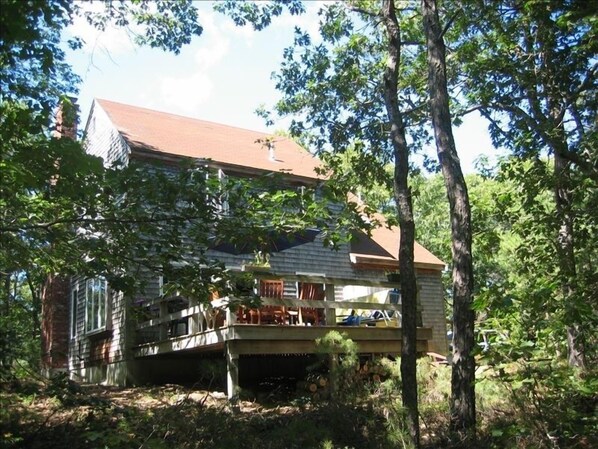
x=367 y=261
x=140 y=152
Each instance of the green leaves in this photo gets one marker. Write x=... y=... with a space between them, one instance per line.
x=167 y=25
x=537 y=67
x=258 y=14
x=55 y=199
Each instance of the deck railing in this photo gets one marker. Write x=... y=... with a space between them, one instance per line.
x=159 y=321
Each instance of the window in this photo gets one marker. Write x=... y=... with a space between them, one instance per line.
x=74 y=295
x=162 y=281
x=308 y=290
x=216 y=192
x=95 y=304
x=222 y=201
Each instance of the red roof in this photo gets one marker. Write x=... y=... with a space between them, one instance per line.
x=382 y=247
x=188 y=137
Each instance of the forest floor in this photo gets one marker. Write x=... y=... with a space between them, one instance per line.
x=180 y=417
x=63 y=414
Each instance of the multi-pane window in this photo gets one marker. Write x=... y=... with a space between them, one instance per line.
x=95 y=304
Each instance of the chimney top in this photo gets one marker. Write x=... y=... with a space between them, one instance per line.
x=67 y=117
x=271 y=153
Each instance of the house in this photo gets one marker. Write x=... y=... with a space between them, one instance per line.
x=305 y=290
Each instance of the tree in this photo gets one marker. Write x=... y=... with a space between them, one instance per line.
x=519 y=326
x=357 y=91
x=463 y=363
x=405 y=215
x=49 y=182
x=532 y=66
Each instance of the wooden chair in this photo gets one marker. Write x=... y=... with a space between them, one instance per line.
x=311 y=315
x=271 y=314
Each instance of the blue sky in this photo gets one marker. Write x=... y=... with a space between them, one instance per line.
x=222 y=76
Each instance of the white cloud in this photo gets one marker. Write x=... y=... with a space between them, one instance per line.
x=308 y=21
x=112 y=41
x=243 y=33
x=211 y=54
x=193 y=88
x=186 y=94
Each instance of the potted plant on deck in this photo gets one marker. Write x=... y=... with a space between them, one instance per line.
x=261 y=263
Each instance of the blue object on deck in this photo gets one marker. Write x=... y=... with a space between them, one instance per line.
x=352 y=320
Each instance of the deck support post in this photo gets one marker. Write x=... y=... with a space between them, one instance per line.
x=330 y=312
x=232 y=373
x=333 y=367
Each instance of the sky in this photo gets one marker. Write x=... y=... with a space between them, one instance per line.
x=223 y=76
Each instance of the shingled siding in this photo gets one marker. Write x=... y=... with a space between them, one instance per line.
x=432 y=305
x=90 y=356
x=117 y=345
x=102 y=138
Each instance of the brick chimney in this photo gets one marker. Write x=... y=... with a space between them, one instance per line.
x=56 y=289
x=55 y=323
x=67 y=117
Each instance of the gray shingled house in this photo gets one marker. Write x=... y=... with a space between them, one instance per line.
x=305 y=292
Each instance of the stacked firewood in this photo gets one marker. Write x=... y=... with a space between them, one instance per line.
x=318 y=386
x=372 y=371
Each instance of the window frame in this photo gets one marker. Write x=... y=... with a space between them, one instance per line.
x=97 y=304
x=74 y=310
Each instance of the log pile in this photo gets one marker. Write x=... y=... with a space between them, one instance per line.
x=317 y=386
x=372 y=371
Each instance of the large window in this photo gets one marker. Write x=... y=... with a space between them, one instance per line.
x=95 y=304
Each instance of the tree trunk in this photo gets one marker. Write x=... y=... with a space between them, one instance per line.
x=36 y=306
x=557 y=142
x=5 y=357
x=463 y=363
x=406 y=223
x=566 y=258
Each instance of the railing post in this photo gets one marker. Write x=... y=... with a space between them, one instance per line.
x=194 y=318
x=231 y=317
x=163 y=325
x=203 y=317
x=330 y=312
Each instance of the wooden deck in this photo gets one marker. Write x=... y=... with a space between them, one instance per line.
x=214 y=327
x=224 y=326
x=246 y=339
